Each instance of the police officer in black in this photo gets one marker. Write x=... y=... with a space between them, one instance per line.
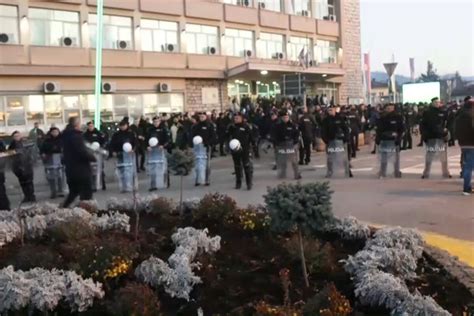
x=161 y=131
x=22 y=165
x=452 y=113
x=53 y=145
x=92 y=135
x=241 y=155
x=286 y=136
x=353 y=119
x=390 y=127
x=307 y=126
x=409 y=117
x=335 y=127
x=4 y=202
x=122 y=136
x=434 y=126
x=205 y=129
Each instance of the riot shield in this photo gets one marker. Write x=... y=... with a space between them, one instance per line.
x=98 y=170
x=54 y=171
x=202 y=167
x=126 y=172
x=389 y=159
x=157 y=168
x=436 y=150
x=337 y=159
x=286 y=153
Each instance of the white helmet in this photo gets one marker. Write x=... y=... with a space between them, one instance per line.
x=234 y=145
x=197 y=140
x=127 y=147
x=95 y=146
x=153 y=142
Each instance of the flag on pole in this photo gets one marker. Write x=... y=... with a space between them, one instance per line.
x=302 y=58
x=412 y=69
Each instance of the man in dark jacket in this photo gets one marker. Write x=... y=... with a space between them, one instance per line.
x=307 y=126
x=409 y=117
x=93 y=135
x=241 y=153
x=286 y=140
x=353 y=119
x=51 y=153
x=452 y=113
x=126 y=161
x=4 y=202
x=222 y=122
x=388 y=137
x=205 y=130
x=77 y=160
x=435 y=133
x=160 y=130
x=22 y=164
x=464 y=132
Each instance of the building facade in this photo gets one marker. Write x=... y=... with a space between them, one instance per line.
x=169 y=55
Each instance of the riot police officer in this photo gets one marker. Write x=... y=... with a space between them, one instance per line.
x=452 y=113
x=22 y=164
x=307 y=126
x=51 y=153
x=126 y=163
x=335 y=134
x=93 y=135
x=241 y=141
x=389 y=132
x=205 y=130
x=161 y=131
x=286 y=140
x=409 y=117
x=4 y=202
x=435 y=133
x=157 y=161
x=353 y=119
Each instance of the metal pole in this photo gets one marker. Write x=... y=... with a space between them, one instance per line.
x=98 y=62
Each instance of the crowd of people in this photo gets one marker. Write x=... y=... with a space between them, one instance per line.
x=293 y=129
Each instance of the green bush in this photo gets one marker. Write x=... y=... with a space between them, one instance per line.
x=161 y=205
x=70 y=231
x=31 y=256
x=303 y=206
x=214 y=209
x=135 y=299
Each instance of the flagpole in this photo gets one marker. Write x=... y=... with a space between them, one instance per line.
x=98 y=63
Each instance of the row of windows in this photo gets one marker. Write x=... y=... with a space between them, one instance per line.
x=62 y=28
x=320 y=9
x=56 y=109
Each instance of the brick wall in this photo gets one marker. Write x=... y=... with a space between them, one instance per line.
x=350 y=37
x=193 y=95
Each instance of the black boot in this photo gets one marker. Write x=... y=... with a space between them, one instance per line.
x=238 y=184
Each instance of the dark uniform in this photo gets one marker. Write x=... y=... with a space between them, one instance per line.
x=335 y=129
x=307 y=126
x=22 y=164
x=242 y=157
x=121 y=137
x=434 y=127
x=4 y=202
x=286 y=138
x=390 y=127
x=353 y=119
x=96 y=136
x=452 y=113
x=162 y=133
x=206 y=131
x=409 y=117
x=222 y=123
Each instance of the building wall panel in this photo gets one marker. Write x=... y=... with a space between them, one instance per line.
x=173 y=7
x=59 y=56
x=240 y=14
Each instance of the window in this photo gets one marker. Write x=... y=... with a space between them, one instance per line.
x=117 y=31
x=54 y=27
x=154 y=104
x=71 y=107
x=9 y=23
x=53 y=109
x=237 y=42
x=325 y=9
x=201 y=39
x=269 y=45
x=15 y=109
x=244 y=3
x=326 y=52
x=159 y=36
x=2 y=112
x=302 y=7
x=296 y=45
x=272 y=5
x=35 y=109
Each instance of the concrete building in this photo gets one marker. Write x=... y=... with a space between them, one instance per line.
x=170 y=55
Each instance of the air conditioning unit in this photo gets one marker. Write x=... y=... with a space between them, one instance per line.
x=67 y=41
x=280 y=56
x=109 y=87
x=261 y=5
x=6 y=38
x=164 y=87
x=248 y=53
x=170 y=48
x=305 y=13
x=332 y=17
x=244 y=3
x=51 y=87
x=211 y=50
x=123 y=44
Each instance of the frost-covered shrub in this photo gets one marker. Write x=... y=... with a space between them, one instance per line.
x=177 y=275
x=92 y=206
x=127 y=204
x=399 y=238
x=418 y=305
x=111 y=221
x=378 y=288
x=44 y=289
x=349 y=228
x=9 y=230
x=399 y=262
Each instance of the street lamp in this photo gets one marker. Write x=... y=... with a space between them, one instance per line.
x=98 y=62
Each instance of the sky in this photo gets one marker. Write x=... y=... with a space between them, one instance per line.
x=438 y=30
